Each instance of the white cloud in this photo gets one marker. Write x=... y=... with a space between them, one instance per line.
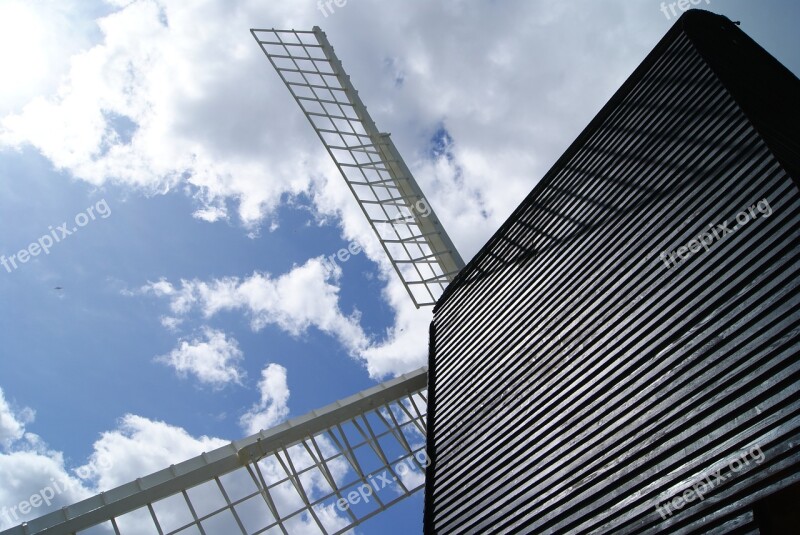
x=307 y=296
x=28 y=473
x=405 y=345
x=272 y=408
x=28 y=467
x=170 y=323
x=161 y=288
x=208 y=113
x=304 y=297
x=142 y=108
x=12 y=423
x=36 y=42
x=140 y=446
x=213 y=360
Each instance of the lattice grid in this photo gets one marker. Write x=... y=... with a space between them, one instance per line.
x=323 y=473
x=411 y=234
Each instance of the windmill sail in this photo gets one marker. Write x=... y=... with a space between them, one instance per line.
x=297 y=477
x=407 y=227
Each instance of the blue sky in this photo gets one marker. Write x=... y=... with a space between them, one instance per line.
x=221 y=202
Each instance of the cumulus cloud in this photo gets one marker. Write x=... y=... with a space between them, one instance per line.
x=404 y=346
x=272 y=407
x=170 y=323
x=37 y=40
x=306 y=296
x=28 y=467
x=12 y=423
x=142 y=108
x=176 y=95
x=140 y=446
x=28 y=473
x=212 y=359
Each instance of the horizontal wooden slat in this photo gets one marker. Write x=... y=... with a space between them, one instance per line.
x=576 y=381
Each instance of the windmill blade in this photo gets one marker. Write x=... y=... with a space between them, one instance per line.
x=301 y=475
x=414 y=240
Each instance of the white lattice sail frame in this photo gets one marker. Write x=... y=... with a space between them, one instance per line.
x=416 y=243
x=324 y=472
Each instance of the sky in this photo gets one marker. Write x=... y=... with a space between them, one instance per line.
x=185 y=304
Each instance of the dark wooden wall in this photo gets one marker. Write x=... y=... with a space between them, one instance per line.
x=575 y=381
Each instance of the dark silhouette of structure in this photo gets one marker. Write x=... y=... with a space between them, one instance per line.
x=622 y=356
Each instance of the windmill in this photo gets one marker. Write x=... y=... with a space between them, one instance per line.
x=334 y=468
